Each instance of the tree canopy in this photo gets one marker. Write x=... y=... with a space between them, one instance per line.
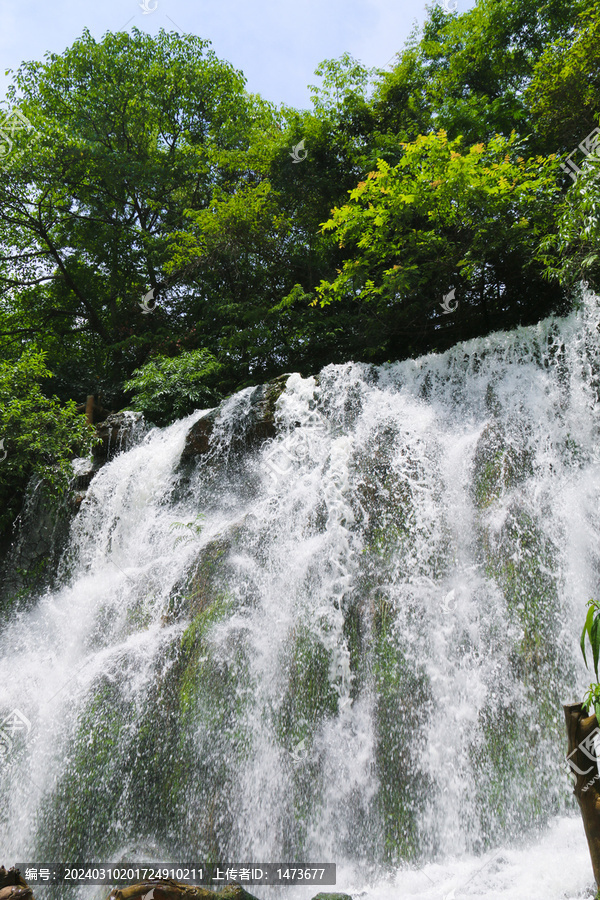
x=167 y=237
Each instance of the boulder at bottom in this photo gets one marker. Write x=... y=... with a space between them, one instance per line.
x=167 y=889
x=13 y=886
x=324 y=895
x=13 y=892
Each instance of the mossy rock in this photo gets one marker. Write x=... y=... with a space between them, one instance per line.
x=32 y=560
x=258 y=425
x=355 y=632
x=308 y=700
x=130 y=765
x=402 y=691
x=273 y=391
x=204 y=581
x=400 y=687
x=234 y=892
x=324 y=895
x=309 y=695
x=498 y=466
x=212 y=740
x=198 y=665
x=393 y=535
x=513 y=779
x=80 y=814
x=521 y=559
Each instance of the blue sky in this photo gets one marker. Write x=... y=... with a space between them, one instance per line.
x=276 y=43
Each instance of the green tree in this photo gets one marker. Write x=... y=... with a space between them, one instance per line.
x=445 y=217
x=170 y=388
x=152 y=168
x=468 y=73
x=39 y=435
x=564 y=93
x=571 y=254
x=125 y=133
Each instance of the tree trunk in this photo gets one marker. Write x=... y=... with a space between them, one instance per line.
x=89 y=409
x=581 y=756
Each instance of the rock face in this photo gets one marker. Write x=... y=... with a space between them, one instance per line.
x=44 y=523
x=197 y=440
x=44 y=526
x=118 y=431
x=256 y=421
x=43 y=530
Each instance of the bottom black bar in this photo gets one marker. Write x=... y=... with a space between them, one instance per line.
x=211 y=874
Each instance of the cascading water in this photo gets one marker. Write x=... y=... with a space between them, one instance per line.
x=350 y=644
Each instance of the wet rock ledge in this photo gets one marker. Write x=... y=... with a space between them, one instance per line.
x=31 y=562
x=256 y=422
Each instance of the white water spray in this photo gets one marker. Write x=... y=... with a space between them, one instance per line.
x=358 y=653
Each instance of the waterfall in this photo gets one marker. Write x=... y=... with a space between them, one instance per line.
x=347 y=643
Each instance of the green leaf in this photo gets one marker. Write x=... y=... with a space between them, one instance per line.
x=595 y=642
x=587 y=629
